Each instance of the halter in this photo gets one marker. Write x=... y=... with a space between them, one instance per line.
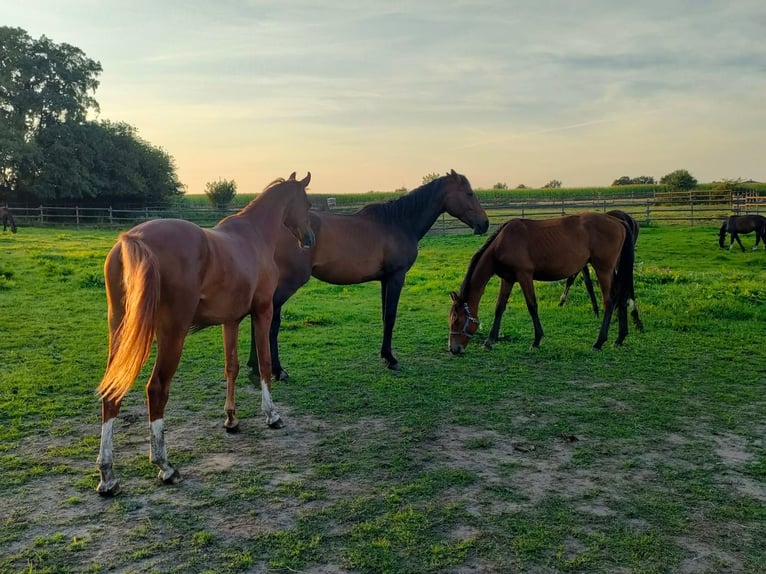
x=468 y=320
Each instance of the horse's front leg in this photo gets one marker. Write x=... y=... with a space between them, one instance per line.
x=391 y=289
x=108 y=485
x=502 y=302
x=528 y=288
x=231 y=370
x=263 y=316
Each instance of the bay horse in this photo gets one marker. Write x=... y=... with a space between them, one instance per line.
x=379 y=242
x=634 y=228
x=736 y=224
x=167 y=277
x=524 y=251
x=8 y=221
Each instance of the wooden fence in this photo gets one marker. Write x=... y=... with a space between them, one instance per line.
x=679 y=209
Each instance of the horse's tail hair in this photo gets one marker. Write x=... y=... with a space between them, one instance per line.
x=131 y=342
x=624 y=288
x=722 y=232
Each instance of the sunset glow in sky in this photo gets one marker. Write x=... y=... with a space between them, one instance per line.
x=374 y=95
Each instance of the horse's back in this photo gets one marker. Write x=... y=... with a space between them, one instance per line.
x=355 y=248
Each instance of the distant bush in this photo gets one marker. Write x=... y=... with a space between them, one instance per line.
x=221 y=193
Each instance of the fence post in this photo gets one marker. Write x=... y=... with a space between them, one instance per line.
x=648 y=211
x=42 y=219
x=77 y=215
x=691 y=209
x=111 y=221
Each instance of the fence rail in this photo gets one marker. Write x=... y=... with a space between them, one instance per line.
x=684 y=209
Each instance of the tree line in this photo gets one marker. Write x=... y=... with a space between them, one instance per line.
x=50 y=152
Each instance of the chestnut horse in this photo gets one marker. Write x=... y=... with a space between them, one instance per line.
x=634 y=228
x=377 y=243
x=736 y=224
x=7 y=218
x=166 y=277
x=524 y=250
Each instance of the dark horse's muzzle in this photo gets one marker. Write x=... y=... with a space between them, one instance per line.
x=308 y=239
x=481 y=227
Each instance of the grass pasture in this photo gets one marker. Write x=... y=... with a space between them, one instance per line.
x=645 y=458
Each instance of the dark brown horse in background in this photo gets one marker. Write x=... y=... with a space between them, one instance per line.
x=634 y=229
x=736 y=224
x=524 y=251
x=377 y=243
x=167 y=277
x=8 y=221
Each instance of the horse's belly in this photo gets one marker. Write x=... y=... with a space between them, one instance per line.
x=347 y=274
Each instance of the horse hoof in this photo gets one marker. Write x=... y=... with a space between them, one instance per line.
x=277 y=424
x=393 y=365
x=597 y=347
x=109 y=490
x=488 y=346
x=231 y=429
x=169 y=477
x=282 y=375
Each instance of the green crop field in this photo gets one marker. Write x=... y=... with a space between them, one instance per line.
x=645 y=458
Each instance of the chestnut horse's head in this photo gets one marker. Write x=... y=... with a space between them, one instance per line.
x=462 y=325
x=296 y=214
x=461 y=202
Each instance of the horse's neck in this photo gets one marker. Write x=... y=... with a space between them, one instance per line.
x=474 y=285
x=264 y=215
x=425 y=206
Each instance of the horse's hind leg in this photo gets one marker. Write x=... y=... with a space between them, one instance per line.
x=528 y=288
x=735 y=236
x=108 y=485
x=589 y=287
x=502 y=302
x=567 y=287
x=169 y=348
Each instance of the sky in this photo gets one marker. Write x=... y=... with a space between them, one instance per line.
x=374 y=95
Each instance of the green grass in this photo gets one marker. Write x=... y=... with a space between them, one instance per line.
x=644 y=458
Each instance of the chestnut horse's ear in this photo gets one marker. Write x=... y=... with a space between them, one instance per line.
x=292 y=177
x=455 y=297
x=305 y=181
x=452 y=172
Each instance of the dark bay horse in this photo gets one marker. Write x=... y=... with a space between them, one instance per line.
x=166 y=277
x=8 y=221
x=634 y=228
x=524 y=251
x=377 y=243
x=736 y=224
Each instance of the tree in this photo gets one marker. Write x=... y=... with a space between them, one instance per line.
x=679 y=180
x=552 y=184
x=624 y=180
x=101 y=163
x=500 y=185
x=41 y=84
x=220 y=193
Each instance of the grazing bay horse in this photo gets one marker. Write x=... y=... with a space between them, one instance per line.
x=524 y=251
x=377 y=243
x=736 y=224
x=634 y=228
x=8 y=221
x=167 y=277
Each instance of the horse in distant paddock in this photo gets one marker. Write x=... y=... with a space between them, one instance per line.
x=736 y=224
x=377 y=243
x=167 y=277
x=8 y=221
x=634 y=228
x=524 y=251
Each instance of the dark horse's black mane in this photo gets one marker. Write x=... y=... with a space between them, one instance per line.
x=408 y=206
x=475 y=260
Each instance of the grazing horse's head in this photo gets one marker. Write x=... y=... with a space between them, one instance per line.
x=462 y=325
x=296 y=215
x=461 y=202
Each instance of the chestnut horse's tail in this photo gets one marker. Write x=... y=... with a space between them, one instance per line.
x=131 y=342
